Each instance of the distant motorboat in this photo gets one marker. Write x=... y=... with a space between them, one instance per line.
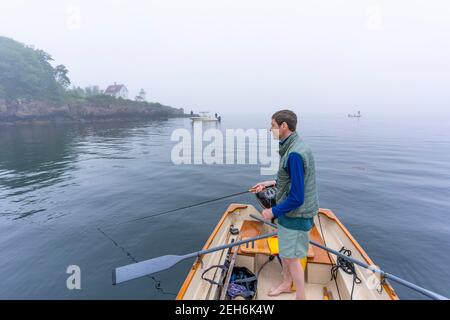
x=206 y=116
x=356 y=115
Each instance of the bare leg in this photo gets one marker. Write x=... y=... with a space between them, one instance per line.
x=286 y=285
x=298 y=275
x=287 y=277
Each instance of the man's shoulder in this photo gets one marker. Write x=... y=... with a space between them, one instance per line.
x=294 y=160
x=295 y=155
x=302 y=148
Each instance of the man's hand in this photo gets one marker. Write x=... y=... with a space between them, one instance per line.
x=262 y=185
x=267 y=214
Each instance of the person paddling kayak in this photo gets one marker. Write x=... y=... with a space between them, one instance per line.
x=296 y=201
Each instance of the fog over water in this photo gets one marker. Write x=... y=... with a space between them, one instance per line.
x=225 y=56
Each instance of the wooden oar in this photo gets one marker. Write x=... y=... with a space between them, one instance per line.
x=428 y=293
x=147 y=267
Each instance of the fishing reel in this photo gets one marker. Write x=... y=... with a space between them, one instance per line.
x=267 y=197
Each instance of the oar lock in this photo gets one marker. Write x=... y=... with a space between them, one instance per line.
x=233 y=230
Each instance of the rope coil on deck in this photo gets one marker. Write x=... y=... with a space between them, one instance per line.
x=346 y=266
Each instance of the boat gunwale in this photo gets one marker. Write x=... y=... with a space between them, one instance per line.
x=231 y=208
x=330 y=215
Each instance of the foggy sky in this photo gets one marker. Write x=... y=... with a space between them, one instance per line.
x=228 y=56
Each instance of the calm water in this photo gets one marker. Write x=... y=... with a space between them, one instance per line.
x=387 y=179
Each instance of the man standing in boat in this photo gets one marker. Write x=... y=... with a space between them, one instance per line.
x=296 y=201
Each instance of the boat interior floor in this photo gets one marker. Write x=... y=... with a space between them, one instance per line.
x=272 y=273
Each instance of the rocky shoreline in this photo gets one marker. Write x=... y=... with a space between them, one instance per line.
x=85 y=111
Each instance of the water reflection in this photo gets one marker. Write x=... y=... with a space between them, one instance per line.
x=46 y=156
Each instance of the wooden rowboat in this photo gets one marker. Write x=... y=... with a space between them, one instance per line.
x=258 y=257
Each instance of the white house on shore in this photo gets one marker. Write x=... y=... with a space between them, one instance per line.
x=117 y=91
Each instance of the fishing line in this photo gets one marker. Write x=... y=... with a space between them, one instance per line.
x=178 y=209
x=129 y=255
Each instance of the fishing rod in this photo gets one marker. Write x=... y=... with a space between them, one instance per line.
x=384 y=274
x=181 y=208
x=148 y=267
x=127 y=253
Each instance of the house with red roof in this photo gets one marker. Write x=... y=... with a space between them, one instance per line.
x=117 y=91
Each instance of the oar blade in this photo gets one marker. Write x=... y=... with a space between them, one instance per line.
x=144 y=268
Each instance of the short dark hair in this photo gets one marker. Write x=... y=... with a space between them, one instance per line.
x=286 y=116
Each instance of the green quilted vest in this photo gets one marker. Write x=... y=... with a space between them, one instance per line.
x=310 y=206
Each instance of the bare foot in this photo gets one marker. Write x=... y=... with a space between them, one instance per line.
x=282 y=288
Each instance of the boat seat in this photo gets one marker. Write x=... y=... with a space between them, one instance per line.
x=320 y=255
x=250 y=229
x=259 y=246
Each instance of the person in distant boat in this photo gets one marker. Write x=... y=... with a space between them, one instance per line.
x=296 y=201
